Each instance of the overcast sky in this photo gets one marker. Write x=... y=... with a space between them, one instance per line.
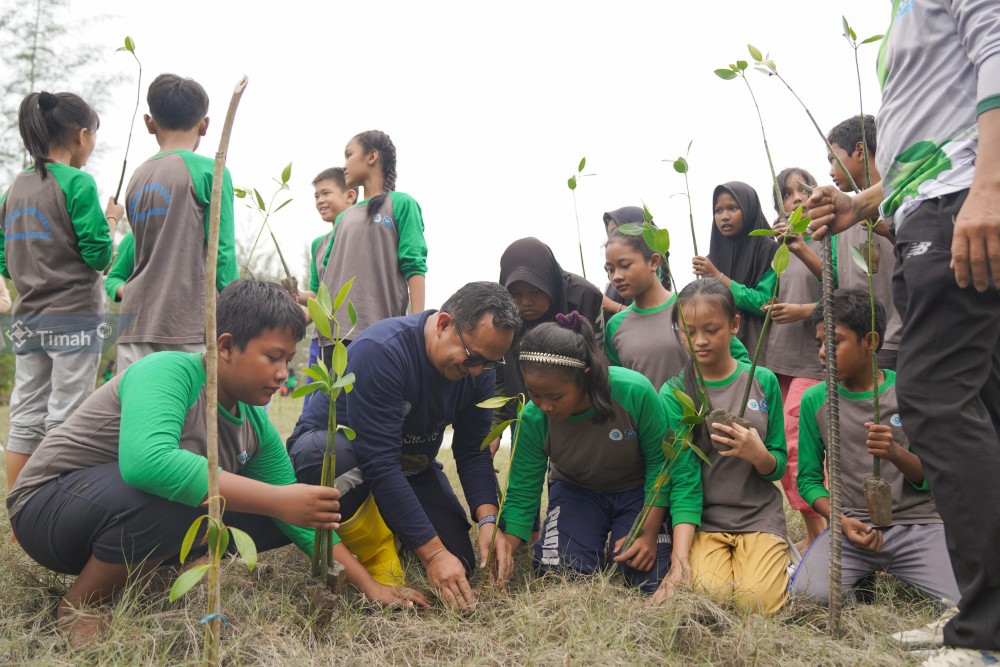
x=492 y=105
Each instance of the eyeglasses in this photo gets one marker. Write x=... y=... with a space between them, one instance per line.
x=472 y=361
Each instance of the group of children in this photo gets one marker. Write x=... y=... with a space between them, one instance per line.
x=610 y=377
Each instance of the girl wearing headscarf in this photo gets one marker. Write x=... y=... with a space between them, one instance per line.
x=742 y=262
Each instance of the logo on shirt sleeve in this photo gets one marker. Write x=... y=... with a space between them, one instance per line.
x=619 y=435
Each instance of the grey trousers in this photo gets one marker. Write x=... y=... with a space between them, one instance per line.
x=917 y=554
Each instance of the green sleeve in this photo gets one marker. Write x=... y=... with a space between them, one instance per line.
x=3 y=245
x=527 y=474
x=121 y=269
x=313 y=269
x=272 y=466
x=410 y=225
x=329 y=246
x=202 y=171
x=685 y=493
x=85 y=211
x=649 y=413
x=775 y=439
x=609 y=334
x=833 y=262
x=156 y=394
x=812 y=452
x=738 y=350
x=750 y=299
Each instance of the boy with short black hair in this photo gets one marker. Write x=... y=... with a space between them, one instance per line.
x=111 y=494
x=168 y=203
x=912 y=548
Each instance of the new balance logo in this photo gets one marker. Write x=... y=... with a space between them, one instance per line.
x=916 y=249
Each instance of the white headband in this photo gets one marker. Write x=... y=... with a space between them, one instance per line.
x=556 y=359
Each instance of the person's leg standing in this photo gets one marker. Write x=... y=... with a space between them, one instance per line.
x=948 y=387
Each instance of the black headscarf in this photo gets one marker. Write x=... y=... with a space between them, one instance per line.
x=624 y=216
x=744 y=258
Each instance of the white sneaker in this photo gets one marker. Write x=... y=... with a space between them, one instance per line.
x=929 y=636
x=963 y=657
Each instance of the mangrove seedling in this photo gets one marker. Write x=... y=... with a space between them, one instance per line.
x=331 y=383
x=496 y=432
x=681 y=167
x=256 y=203
x=130 y=47
x=217 y=532
x=572 y=183
x=852 y=39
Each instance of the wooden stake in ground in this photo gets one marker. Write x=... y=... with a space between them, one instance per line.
x=213 y=626
x=832 y=434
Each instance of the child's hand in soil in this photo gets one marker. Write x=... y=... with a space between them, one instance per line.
x=747 y=445
x=641 y=555
x=392 y=596
x=503 y=554
x=679 y=575
x=702 y=266
x=880 y=442
x=861 y=534
x=786 y=313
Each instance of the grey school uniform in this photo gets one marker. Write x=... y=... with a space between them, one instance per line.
x=791 y=348
x=914 y=547
x=644 y=340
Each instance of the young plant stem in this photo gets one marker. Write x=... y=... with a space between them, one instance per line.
x=266 y=224
x=833 y=434
x=135 y=111
x=694 y=239
x=700 y=378
x=492 y=552
x=861 y=106
x=579 y=238
x=757 y=349
x=214 y=626
x=640 y=520
x=767 y=149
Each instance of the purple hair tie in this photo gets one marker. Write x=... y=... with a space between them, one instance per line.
x=571 y=321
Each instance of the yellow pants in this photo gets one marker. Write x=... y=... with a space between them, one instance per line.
x=749 y=569
x=367 y=537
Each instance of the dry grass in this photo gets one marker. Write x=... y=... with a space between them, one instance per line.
x=536 y=622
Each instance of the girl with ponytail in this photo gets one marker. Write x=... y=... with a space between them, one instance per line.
x=55 y=240
x=379 y=241
x=597 y=430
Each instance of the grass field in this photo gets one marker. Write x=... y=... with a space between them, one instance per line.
x=553 y=621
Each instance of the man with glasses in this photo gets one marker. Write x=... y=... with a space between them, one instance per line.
x=416 y=375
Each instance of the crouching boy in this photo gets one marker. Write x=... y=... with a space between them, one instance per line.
x=110 y=494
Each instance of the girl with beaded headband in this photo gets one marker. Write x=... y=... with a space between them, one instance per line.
x=598 y=432
x=379 y=241
x=55 y=241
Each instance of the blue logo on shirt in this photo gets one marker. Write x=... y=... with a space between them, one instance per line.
x=757 y=407
x=386 y=220
x=619 y=435
x=244 y=457
x=135 y=216
x=895 y=420
x=27 y=212
x=905 y=7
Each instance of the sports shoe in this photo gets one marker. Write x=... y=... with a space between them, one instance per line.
x=962 y=657
x=929 y=636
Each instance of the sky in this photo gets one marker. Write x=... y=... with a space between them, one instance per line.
x=491 y=107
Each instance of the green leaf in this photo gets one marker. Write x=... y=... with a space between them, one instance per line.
x=304 y=389
x=342 y=294
x=755 y=52
x=583 y=163
x=129 y=44
x=873 y=38
x=240 y=193
x=339 y=358
x=726 y=74
x=801 y=225
x=649 y=236
x=688 y=152
x=854 y=35
x=495 y=433
x=662 y=239
x=317 y=372
x=685 y=401
x=631 y=229
x=741 y=65
x=189 y=537
x=320 y=318
x=847 y=27
x=681 y=165
x=646 y=214
x=859 y=259
x=667 y=446
x=348 y=431
x=571 y=183
x=352 y=314
x=323 y=296
x=344 y=381
x=795 y=216
x=186 y=581
x=495 y=402
x=260 y=200
x=770 y=64
x=245 y=547
x=218 y=538
x=780 y=261
x=692 y=420
x=286 y=173
x=762 y=232
x=697 y=451
x=282 y=205
x=763 y=70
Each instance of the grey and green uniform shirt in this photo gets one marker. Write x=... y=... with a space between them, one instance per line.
x=168 y=203
x=644 y=339
x=848 y=274
x=732 y=496
x=380 y=251
x=54 y=243
x=317 y=263
x=939 y=66
x=791 y=348
x=151 y=420
x=621 y=454
x=911 y=503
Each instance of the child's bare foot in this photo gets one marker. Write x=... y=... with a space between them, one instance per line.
x=80 y=627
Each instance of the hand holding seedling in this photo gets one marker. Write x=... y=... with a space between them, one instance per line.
x=747 y=445
x=881 y=444
x=309 y=506
x=641 y=555
x=786 y=313
x=861 y=534
x=704 y=268
x=447 y=575
x=502 y=563
x=792 y=240
x=113 y=212
x=832 y=211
